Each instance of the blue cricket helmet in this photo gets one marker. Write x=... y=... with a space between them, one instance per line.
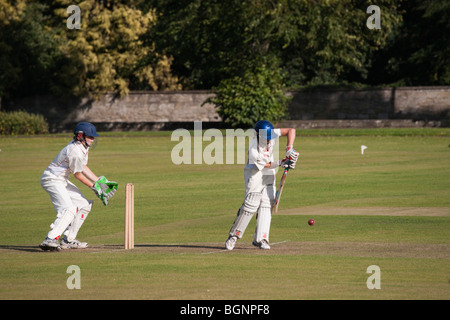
x=88 y=129
x=264 y=129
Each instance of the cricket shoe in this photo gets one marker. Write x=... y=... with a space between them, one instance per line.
x=231 y=242
x=74 y=244
x=50 y=245
x=262 y=245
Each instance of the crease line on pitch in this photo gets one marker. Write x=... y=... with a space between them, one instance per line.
x=224 y=250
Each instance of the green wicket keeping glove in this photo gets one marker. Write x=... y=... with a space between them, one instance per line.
x=104 y=189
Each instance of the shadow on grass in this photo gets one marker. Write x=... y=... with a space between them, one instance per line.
x=189 y=246
x=26 y=248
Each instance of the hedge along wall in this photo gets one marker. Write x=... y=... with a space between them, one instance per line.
x=141 y=110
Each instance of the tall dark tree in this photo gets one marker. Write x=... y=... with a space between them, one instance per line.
x=419 y=52
x=315 y=42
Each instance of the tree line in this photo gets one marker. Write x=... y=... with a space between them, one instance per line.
x=158 y=45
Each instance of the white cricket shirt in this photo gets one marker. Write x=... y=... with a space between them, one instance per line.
x=71 y=159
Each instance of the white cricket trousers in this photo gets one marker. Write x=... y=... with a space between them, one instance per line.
x=260 y=182
x=259 y=197
x=67 y=199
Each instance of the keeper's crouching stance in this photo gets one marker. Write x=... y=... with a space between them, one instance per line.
x=71 y=206
x=260 y=183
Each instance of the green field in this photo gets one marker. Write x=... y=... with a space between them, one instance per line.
x=389 y=207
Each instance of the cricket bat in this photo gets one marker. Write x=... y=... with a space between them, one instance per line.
x=280 y=190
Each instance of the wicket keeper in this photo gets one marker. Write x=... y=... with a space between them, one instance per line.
x=260 y=187
x=71 y=206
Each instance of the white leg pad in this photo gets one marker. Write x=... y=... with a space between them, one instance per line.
x=63 y=219
x=74 y=227
x=252 y=201
x=263 y=220
x=249 y=207
x=240 y=223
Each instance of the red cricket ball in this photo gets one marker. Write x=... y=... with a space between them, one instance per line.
x=311 y=222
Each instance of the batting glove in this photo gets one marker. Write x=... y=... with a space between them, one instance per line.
x=291 y=153
x=292 y=164
x=284 y=163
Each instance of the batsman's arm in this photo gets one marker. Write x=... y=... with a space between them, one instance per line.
x=291 y=153
x=290 y=134
x=280 y=163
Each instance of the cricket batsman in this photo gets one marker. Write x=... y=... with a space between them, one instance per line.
x=71 y=206
x=260 y=187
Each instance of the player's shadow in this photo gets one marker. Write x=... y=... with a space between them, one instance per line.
x=21 y=248
x=188 y=246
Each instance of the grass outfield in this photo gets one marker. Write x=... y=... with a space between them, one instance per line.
x=389 y=207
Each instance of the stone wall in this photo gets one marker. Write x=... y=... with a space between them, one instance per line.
x=385 y=107
x=416 y=103
x=139 y=110
x=149 y=107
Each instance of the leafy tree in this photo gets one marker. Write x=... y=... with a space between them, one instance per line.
x=23 y=51
x=419 y=52
x=221 y=44
x=317 y=42
x=258 y=94
x=107 y=53
x=39 y=54
x=212 y=40
x=198 y=44
x=226 y=45
x=333 y=46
